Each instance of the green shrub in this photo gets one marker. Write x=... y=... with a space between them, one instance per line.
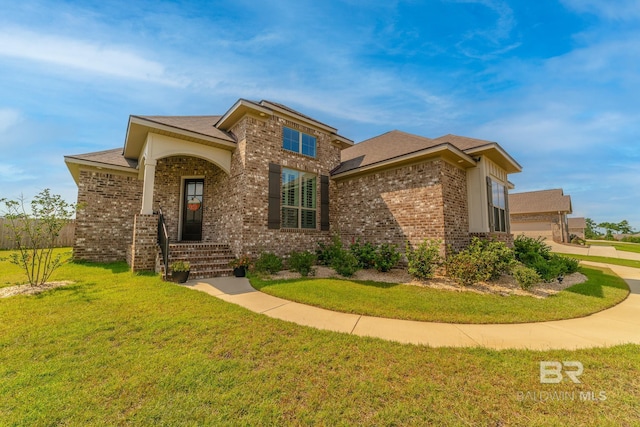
x=326 y=253
x=364 y=253
x=386 y=257
x=423 y=260
x=302 y=262
x=468 y=268
x=576 y=240
x=525 y=246
x=268 y=262
x=631 y=239
x=525 y=276
x=345 y=263
x=482 y=260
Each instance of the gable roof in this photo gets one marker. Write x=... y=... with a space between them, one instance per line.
x=540 y=201
x=204 y=125
x=382 y=150
x=111 y=159
x=577 y=222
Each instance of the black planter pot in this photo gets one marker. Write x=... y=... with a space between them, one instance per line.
x=240 y=271
x=180 y=276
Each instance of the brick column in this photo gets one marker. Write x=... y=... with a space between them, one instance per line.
x=143 y=250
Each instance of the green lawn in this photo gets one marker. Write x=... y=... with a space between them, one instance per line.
x=122 y=349
x=11 y=274
x=621 y=246
x=602 y=290
x=605 y=260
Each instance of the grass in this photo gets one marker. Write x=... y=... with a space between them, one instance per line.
x=602 y=290
x=621 y=246
x=14 y=275
x=605 y=260
x=122 y=349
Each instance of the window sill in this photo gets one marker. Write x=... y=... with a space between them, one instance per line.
x=299 y=230
x=300 y=154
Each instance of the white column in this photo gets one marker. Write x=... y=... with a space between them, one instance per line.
x=147 y=187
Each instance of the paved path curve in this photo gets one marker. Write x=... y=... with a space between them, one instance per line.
x=617 y=325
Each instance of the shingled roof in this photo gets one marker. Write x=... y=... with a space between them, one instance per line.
x=112 y=157
x=204 y=125
x=577 y=222
x=540 y=201
x=396 y=144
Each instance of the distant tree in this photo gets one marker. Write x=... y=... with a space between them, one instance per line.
x=624 y=227
x=609 y=227
x=590 y=231
x=35 y=232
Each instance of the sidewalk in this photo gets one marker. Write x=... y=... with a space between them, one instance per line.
x=617 y=325
x=605 y=251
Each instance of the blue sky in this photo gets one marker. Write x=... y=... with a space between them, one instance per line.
x=556 y=83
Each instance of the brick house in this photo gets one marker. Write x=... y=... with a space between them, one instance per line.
x=263 y=177
x=541 y=214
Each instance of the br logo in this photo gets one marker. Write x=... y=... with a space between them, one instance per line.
x=551 y=371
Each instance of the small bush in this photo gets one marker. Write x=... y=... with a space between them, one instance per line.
x=326 y=253
x=301 y=262
x=631 y=239
x=345 y=263
x=525 y=246
x=525 y=276
x=364 y=253
x=423 y=260
x=268 y=262
x=482 y=260
x=578 y=241
x=386 y=257
x=468 y=268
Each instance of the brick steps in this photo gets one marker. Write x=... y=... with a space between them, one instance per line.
x=206 y=259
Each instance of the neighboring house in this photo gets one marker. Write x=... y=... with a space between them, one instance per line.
x=541 y=214
x=263 y=177
x=577 y=227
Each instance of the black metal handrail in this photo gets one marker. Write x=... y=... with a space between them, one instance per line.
x=163 y=241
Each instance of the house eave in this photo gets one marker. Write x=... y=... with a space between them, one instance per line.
x=241 y=108
x=445 y=151
x=74 y=165
x=139 y=127
x=498 y=155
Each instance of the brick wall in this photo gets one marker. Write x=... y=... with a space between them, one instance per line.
x=410 y=203
x=260 y=143
x=167 y=195
x=104 y=222
x=550 y=221
x=141 y=254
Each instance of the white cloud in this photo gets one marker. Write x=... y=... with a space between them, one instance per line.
x=619 y=10
x=8 y=118
x=115 y=61
x=12 y=173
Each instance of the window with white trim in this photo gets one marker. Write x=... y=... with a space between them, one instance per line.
x=298 y=142
x=299 y=190
x=498 y=195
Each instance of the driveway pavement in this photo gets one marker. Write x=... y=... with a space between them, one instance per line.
x=617 y=325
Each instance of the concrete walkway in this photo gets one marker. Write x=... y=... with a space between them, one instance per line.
x=605 y=251
x=617 y=325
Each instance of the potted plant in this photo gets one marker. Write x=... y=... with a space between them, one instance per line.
x=180 y=271
x=240 y=266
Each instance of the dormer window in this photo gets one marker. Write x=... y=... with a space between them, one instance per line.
x=298 y=142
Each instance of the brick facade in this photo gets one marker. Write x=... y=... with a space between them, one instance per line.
x=104 y=221
x=260 y=143
x=410 y=203
x=547 y=225
x=426 y=199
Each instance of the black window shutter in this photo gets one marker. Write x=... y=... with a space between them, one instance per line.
x=490 y=204
x=324 y=202
x=274 y=195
